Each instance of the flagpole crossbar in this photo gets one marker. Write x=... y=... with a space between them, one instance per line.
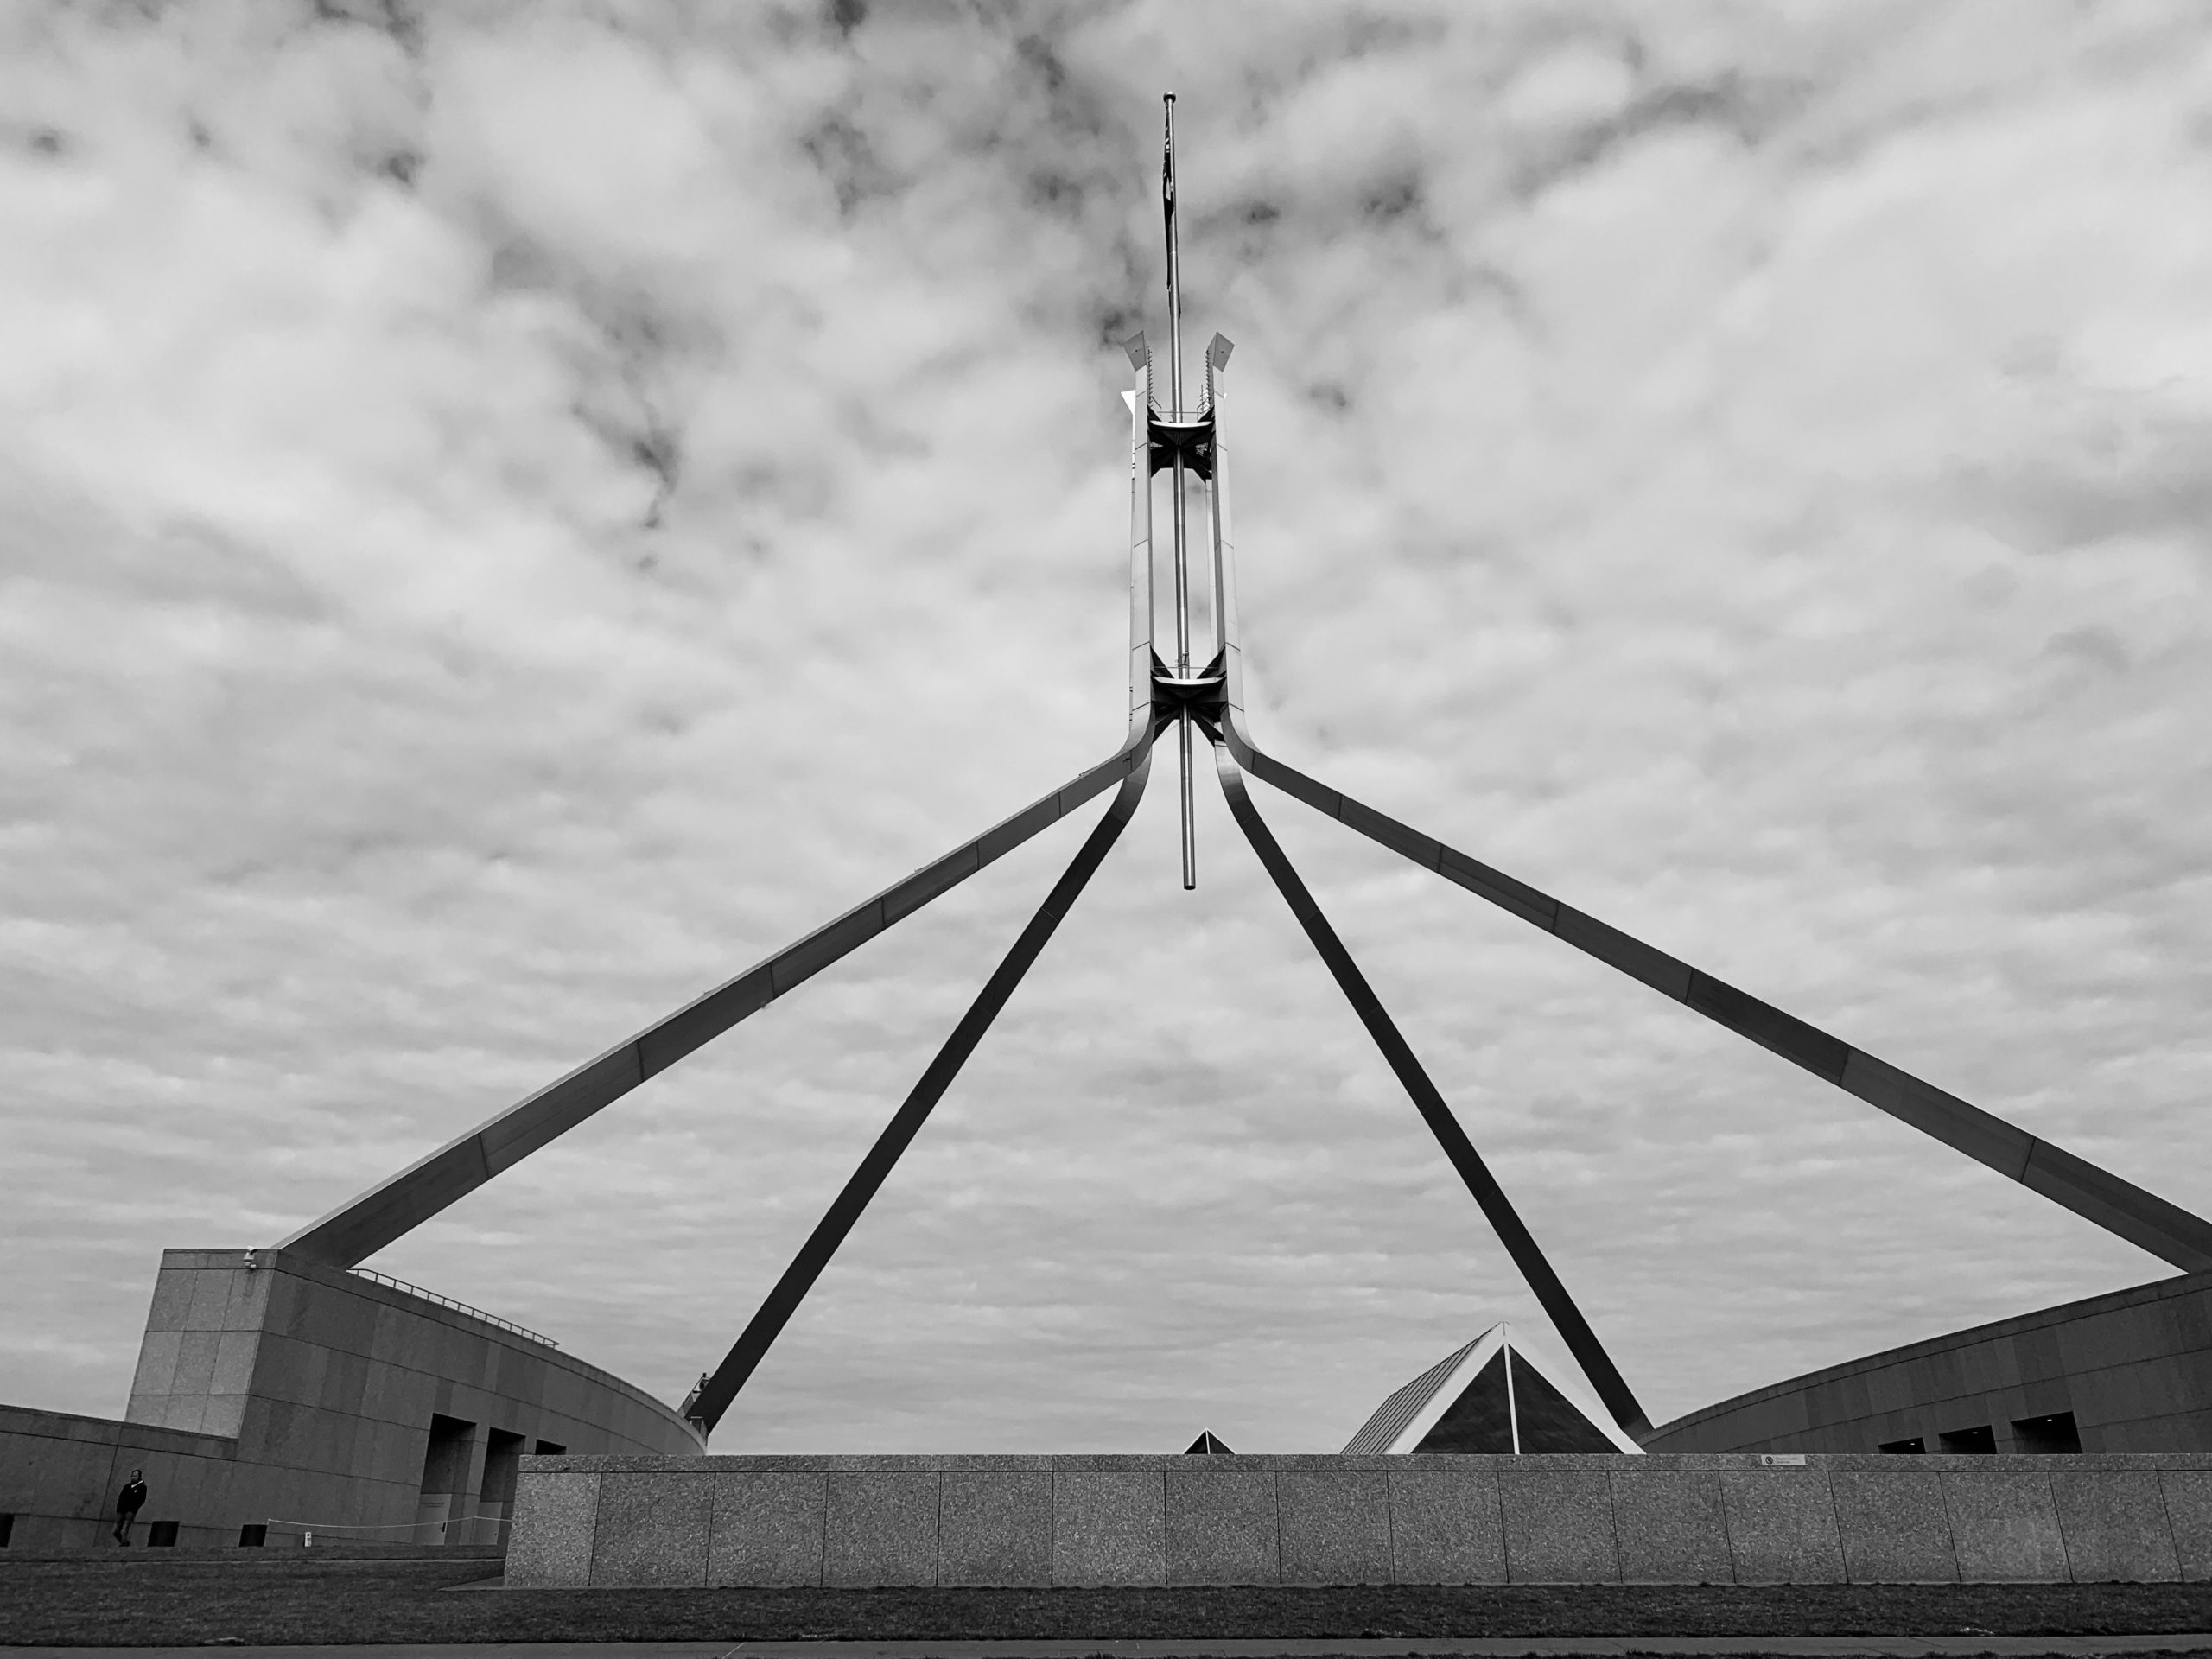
x=1208 y=701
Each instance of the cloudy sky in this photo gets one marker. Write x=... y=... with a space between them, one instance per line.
x=507 y=519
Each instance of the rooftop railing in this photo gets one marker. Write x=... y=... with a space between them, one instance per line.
x=448 y=1301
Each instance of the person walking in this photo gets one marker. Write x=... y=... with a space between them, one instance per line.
x=128 y=1502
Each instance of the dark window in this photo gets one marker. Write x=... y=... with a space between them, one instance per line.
x=502 y=1458
x=445 y=1458
x=7 y=1529
x=551 y=1449
x=161 y=1535
x=2055 y=1435
x=254 y=1535
x=1980 y=1441
x=1911 y=1447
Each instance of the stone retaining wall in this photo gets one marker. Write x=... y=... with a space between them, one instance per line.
x=1685 y=1519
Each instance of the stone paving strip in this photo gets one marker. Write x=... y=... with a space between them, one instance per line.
x=1504 y=1647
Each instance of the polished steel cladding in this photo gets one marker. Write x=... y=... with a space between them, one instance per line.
x=1208 y=699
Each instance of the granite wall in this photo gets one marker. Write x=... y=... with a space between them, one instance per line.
x=60 y=1473
x=2127 y=1371
x=863 y=1521
x=287 y=1391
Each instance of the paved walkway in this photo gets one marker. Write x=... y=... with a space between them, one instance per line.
x=1795 y=1647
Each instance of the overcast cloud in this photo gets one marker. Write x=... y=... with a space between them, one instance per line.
x=509 y=516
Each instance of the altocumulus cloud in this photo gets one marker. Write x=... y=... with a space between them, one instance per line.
x=509 y=514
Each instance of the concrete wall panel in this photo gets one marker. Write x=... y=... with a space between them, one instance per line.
x=1335 y=1527
x=248 y=1306
x=172 y=1300
x=1670 y=1528
x=223 y=1414
x=1782 y=1527
x=1108 y=1527
x=768 y=1528
x=235 y=1353
x=1447 y=1526
x=1221 y=1527
x=210 y=1293
x=195 y=1361
x=156 y=1372
x=557 y=1548
x=2115 y=1526
x=995 y=1526
x=344 y=1384
x=651 y=1530
x=2187 y=1493
x=2004 y=1528
x=1893 y=1526
x=394 y=1394
x=880 y=1528
x=1559 y=1527
x=2119 y=1335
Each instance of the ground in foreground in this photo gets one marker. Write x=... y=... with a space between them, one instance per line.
x=272 y=1599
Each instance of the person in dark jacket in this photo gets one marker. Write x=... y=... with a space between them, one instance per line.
x=128 y=1502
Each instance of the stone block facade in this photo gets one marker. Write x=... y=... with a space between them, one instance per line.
x=1137 y=1521
x=272 y=1389
x=2128 y=1371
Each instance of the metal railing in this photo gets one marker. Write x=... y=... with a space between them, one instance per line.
x=448 y=1301
x=458 y=1530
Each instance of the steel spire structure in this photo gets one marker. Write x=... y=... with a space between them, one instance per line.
x=1180 y=496
x=1188 y=443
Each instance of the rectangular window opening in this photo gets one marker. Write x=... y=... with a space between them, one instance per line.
x=1913 y=1447
x=1978 y=1441
x=161 y=1535
x=254 y=1535
x=7 y=1529
x=551 y=1449
x=2054 y=1435
x=502 y=1460
x=445 y=1458
x=445 y=1479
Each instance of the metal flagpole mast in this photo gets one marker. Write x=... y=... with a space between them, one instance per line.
x=1182 y=542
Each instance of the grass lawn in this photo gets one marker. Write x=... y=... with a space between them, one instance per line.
x=270 y=1599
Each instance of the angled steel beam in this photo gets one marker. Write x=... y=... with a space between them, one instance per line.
x=1559 y=1306
x=2095 y=1194
x=715 y=1394
x=366 y=1224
